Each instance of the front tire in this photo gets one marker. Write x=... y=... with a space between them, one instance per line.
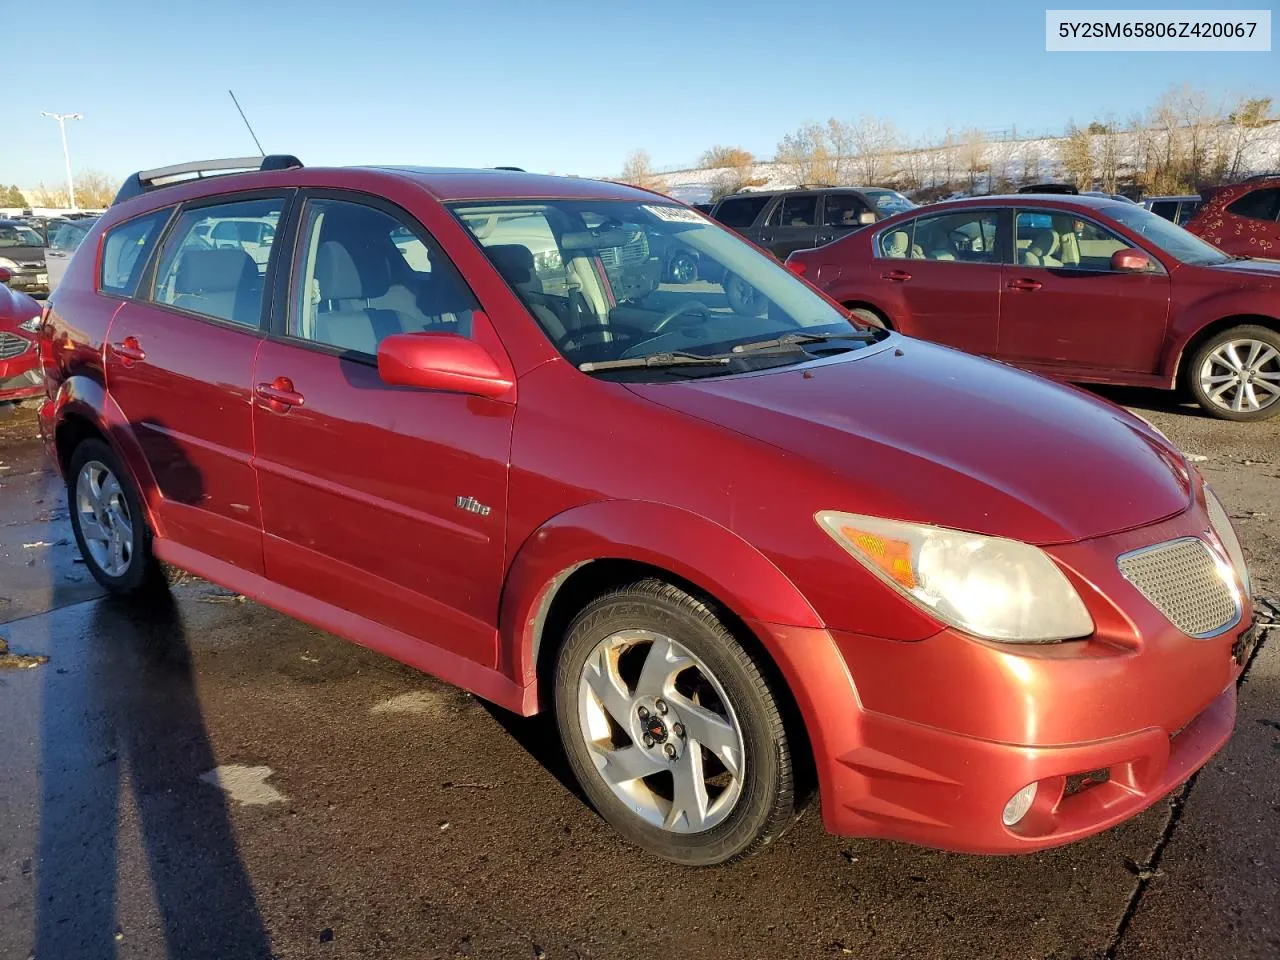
x=1235 y=375
x=672 y=728
x=108 y=521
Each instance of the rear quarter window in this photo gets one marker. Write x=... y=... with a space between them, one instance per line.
x=741 y=211
x=125 y=250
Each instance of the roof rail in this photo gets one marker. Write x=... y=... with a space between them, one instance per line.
x=516 y=169
x=145 y=181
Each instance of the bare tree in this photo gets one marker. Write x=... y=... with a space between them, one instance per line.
x=95 y=189
x=873 y=140
x=1075 y=151
x=973 y=150
x=806 y=155
x=914 y=163
x=638 y=170
x=42 y=196
x=1247 y=120
x=736 y=166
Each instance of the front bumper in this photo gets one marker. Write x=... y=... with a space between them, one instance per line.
x=927 y=741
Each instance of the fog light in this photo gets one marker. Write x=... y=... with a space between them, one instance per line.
x=1018 y=805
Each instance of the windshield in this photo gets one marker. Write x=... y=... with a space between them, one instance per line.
x=889 y=202
x=18 y=235
x=615 y=280
x=1169 y=237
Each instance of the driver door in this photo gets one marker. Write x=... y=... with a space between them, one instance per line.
x=388 y=502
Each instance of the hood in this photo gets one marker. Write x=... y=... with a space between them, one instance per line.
x=1268 y=269
x=16 y=308
x=23 y=254
x=914 y=431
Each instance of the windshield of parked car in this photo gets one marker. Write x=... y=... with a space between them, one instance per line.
x=18 y=235
x=1169 y=237
x=614 y=280
x=889 y=202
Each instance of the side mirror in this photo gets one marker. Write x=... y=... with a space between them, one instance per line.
x=1130 y=261
x=441 y=361
x=5 y=275
x=866 y=217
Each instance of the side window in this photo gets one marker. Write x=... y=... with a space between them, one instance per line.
x=67 y=237
x=1061 y=240
x=968 y=236
x=1186 y=210
x=896 y=244
x=842 y=210
x=800 y=210
x=741 y=211
x=1165 y=208
x=215 y=258
x=125 y=251
x=1257 y=204
x=361 y=274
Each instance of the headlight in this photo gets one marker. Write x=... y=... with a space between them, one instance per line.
x=1226 y=535
x=31 y=326
x=992 y=588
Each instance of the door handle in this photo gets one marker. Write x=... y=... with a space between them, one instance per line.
x=1023 y=284
x=129 y=351
x=279 y=395
x=898 y=276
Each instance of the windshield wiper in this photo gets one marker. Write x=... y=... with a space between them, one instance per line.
x=800 y=339
x=676 y=359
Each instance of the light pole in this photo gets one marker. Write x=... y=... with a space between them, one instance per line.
x=62 y=119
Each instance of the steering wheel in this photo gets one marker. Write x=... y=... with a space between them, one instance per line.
x=689 y=306
x=600 y=330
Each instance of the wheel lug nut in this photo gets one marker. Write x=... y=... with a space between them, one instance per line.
x=643 y=712
x=678 y=729
x=670 y=751
x=648 y=740
x=662 y=706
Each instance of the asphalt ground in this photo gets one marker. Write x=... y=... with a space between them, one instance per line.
x=204 y=777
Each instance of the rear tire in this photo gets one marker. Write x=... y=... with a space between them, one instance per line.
x=671 y=727
x=1235 y=374
x=109 y=523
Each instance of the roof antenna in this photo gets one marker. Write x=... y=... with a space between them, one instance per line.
x=246 y=123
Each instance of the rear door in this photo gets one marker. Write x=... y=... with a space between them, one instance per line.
x=842 y=213
x=939 y=276
x=387 y=502
x=180 y=365
x=1064 y=309
x=792 y=224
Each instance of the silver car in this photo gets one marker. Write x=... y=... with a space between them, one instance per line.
x=63 y=240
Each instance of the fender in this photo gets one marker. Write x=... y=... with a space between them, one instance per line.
x=1231 y=303
x=83 y=396
x=701 y=551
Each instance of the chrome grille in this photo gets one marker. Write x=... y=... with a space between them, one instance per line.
x=637 y=251
x=1184 y=581
x=12 y=346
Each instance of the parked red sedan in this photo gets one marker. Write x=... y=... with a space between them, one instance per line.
x=20 y=373
x=463 y=418
x=1079 y=288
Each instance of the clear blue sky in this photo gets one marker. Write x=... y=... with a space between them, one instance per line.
x=553 y=85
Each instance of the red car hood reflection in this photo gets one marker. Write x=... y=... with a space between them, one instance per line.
x=919 y=432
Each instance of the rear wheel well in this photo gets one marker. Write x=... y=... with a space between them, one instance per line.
x=1210 y=330
x=860 y=305
x=597 y=577
x=70 y=433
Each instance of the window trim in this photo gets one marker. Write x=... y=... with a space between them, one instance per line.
x=1002 y=246
x=277 y=329
x=1077 y=215
x=146 y=265
x=828 y=194
x=146 y=282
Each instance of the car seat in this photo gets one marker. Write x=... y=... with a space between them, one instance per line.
x=897 y=245
x=219 y=283
x=343 y=317
x=1040 y=252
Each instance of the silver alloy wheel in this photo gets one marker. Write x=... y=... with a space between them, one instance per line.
x=105 y=523
x=660 y=731
x=1242 y=376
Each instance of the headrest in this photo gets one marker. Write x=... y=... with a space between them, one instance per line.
x=336 y=273
x=897 y=243
x=1044 y=240
x=513 y=260
x=213 y=271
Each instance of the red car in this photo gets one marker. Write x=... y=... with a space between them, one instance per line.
x=1243 y=218
x=20 y=373
x=458 y=417
x=1083 y=289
